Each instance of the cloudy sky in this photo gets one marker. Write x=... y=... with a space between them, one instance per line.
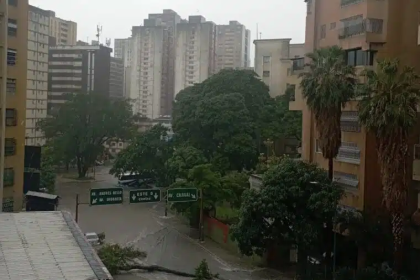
x=275 y=18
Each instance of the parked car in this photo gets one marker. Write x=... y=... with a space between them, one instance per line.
x=92 y=238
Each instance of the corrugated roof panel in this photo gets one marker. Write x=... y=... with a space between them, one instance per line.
x=45 y=246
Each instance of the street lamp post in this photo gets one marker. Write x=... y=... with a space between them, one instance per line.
x=4 y=21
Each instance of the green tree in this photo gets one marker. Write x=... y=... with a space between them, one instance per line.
x=280 y=121
x=221 y=117
x=236 y=183
x=388 y=109
x=48 y=173
x=147 y=155
x=328 y=85
x=202 y=272
x=296 y=199
x=84 y=123
x=183 y=159
x=117 y=258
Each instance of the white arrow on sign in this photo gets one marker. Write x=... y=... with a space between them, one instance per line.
x=156 y=196
x=94 y=201
x=193 y=196
x=134 y=197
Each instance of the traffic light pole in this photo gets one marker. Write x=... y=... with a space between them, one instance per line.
x=4 y=21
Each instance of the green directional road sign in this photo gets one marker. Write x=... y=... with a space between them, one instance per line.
x=106 y=196
x=182 y=195
x=144 y=196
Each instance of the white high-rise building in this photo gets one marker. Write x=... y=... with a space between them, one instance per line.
x=232 y=46
x=195 y=52
x=122 y=50
x=146 y=68
x=37 y=74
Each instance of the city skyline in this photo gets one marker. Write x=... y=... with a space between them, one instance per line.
x=117 y=21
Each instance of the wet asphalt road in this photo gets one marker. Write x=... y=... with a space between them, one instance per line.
x=143 y=225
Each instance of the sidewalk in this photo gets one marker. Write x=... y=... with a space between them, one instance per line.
x=181 y=225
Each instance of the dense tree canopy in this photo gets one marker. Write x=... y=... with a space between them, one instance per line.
x=147 y=155
x=221 y=117
x=291 y=208
x=84 y=123
x=48 y=172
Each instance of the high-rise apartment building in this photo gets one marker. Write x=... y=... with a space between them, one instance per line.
x=65 y=31
x=367 y=30
x=121 y=47
x=232 y=46
x=116 y=79
x=169 y=20
x=122 y=50
x=37 y=74
x=147 y=82
x=16 y=13
x=77 y=69
x=195 y=52
x=271 y=63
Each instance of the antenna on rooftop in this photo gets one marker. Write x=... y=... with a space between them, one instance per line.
x=98 y=32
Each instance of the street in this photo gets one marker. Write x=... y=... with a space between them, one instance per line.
x=165 y=239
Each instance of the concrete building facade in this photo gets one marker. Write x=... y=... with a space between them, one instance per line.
x=272 y=62
x=146 y=69
x=77 y=69
x=65 y=31
x=169 y=20
x=232 y=46
x=195 y=52
x=37 y=74
x=17 y=46
x=367 y=30
x=116 y=79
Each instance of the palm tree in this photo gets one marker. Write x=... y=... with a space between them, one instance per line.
x=388 y=109
x=327 y=87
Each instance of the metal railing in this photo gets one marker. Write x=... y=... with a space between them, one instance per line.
x=368 y=25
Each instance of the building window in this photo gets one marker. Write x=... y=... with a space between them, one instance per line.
x=357 y=57
x=332 y=25
x=13 y=3
x=12 y=27
x=350 y=2
x=346 y=180
x=291 y=91
x=11 y=57
x=9 y=177
x=350 y=121
x=317 y=146
x=11 y=117
x=266 y=59
x=10 y=147
x=349 y=152
x=323 y=31
x=266 y=73
x=11 y=86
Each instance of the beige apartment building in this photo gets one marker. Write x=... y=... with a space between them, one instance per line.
x=232 y=46
x=146 y=70
x=65 y=31
x=368 y=30
x=195 y=52
x=37 y=74
x=272 y=62
x=15 y=106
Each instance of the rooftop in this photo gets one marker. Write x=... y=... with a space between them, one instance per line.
x=46 y=245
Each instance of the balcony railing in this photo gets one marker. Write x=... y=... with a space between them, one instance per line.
x=350 y=2
x=369 y=25
x=298 y=64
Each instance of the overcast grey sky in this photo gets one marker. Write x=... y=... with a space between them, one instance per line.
x=275 y=18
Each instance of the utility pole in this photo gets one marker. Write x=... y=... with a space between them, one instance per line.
x=4 y=21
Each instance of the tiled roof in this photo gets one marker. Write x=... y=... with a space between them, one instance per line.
x=46 y=246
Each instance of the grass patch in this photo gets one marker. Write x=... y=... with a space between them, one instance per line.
x=226 y=214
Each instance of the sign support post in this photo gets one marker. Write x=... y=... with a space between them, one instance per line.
x=201 y=216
